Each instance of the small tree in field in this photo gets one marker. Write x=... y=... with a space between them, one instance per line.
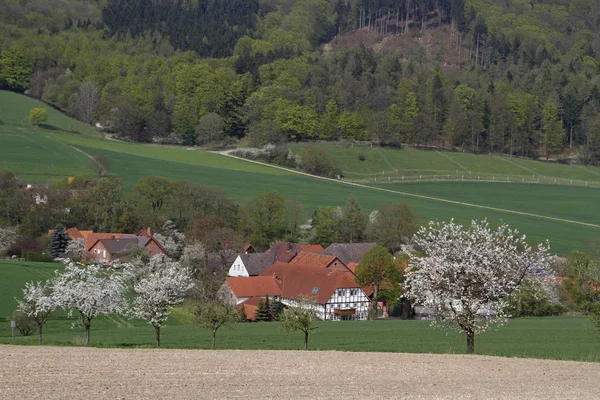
x=37 y=116
x=38 y=303
x=467 y=275
x=91 y=291
x=301 y=317
x=164 y=287
x=214 y=315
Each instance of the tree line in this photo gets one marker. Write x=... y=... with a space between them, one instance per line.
x=514 y=79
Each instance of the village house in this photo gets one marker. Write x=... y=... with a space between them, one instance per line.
x=338 y=296
x=107 y=250
x=251 y=264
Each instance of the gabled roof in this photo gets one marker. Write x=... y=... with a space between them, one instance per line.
x=313 y=248
x=348 y=252
x=248 y=248
x=298 y=280
x=114 y=246
x=93 y=237
x=256 y=263
x=286 y=251
x=352 y=266
x=253 y=286
x=315 y=259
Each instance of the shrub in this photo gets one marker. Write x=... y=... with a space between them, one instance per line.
x=317 y=161
x=361 y=157
x=25 y=324
x=23 y=244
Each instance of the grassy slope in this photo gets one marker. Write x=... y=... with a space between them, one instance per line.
x=42 y=154
x=382 y=162
x=13 y=276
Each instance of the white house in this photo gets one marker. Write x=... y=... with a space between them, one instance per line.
x=251 y=264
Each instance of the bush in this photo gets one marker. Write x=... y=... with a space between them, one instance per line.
x=317 y=161
x=361 y=157
x=36 y=256
x=23 y=244
x=25 y=324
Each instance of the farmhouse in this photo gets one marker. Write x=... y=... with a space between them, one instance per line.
x=251 y=264
x=107 y=250
x=338 y=296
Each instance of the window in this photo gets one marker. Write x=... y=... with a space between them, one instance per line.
x=315 y=290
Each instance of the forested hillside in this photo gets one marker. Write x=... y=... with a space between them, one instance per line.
x=512 y=76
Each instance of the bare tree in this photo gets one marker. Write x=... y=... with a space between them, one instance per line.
x=87 y=99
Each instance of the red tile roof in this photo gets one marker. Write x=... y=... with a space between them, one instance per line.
x=352 y=266
x=315 y=259
x=297 y=280
x=254 y=286
x=314 y=248
x=251 y=307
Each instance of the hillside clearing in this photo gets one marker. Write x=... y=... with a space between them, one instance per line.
x=141 y=373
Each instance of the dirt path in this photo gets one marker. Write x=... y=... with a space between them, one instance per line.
x=75 y=373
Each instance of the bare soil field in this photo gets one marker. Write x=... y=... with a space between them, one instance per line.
x=84 y=373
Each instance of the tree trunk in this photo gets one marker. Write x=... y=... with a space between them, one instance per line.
x=375 y=294
x=305 y=340
x=87 y=333
x=40 y=334
x=470 y=342
x=157 y=329
x=214 y=340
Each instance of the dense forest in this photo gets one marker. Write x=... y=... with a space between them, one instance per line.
x=519 y=77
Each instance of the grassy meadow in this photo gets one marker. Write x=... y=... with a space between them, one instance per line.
x=565 y=338
x=62 y=149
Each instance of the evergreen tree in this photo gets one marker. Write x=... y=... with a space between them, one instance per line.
x=58 y=242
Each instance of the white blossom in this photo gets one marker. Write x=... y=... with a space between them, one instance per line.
x=8 y=235
x=75 y=249
x=90 y=290
x=165 y=286
x=373 y=216
x=467 y=275
x=37 y=303
x=171 y=239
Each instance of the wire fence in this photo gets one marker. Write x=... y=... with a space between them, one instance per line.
x=469 y=176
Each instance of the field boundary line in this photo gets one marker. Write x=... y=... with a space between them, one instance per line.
x=451 y=160
x=587 y=170
x=517 y=165
x=385 y=158
x=419 y=196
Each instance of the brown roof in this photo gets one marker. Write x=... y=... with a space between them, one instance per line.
x=352 y=266
x=93 y=237
x=251 y=307
x=73 y=233
x=313 y=248
x=348 y=252
x=298 y=280
x=253 y=286
x=256 y=263
x=114 y=246
x=314 y=259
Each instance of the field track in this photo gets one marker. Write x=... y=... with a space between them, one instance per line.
x=420 y=196
x=74 y=373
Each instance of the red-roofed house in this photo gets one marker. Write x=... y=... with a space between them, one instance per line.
x=286 y=251
x=107 y=250
x=337 y=295
x=236 y=290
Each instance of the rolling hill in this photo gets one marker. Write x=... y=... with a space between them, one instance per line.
x=565 y=215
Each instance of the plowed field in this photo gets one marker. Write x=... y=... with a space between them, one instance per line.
x=77 y=373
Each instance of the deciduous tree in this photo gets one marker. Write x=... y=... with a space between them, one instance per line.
x=214 y=315
x=37 y=116
x=467 y=275
x=301 y=317
x=91 y=291
x=377 y=267
x=38 y=303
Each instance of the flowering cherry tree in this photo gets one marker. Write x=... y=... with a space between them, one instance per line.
x=467 y=275
x=38 y=303
x=163 y=287
x=91 y=291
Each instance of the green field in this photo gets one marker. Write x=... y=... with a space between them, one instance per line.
x=566 y=338
x=40 y=154
x=383 y=163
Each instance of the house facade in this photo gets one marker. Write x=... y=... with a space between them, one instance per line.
x=107 y=250
x=251 y=264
